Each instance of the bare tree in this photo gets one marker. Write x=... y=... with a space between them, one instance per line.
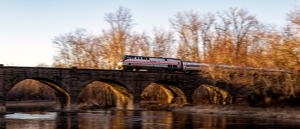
x=116 y=37
x=187 y=24
x=207 y=35
x=78 y=49
x=234 y=32
x=243 y=26
x=133 y=44
x=291 y=42
x=162 y=43
x=144 y=44
x=139 y=44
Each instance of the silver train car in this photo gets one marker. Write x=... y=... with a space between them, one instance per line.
x=188 y=66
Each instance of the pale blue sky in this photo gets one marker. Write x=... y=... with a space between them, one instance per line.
x=27 y=27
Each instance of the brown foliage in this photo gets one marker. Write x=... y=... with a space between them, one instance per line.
x=254 y=86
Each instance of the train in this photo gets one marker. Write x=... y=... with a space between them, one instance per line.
x=137 y=63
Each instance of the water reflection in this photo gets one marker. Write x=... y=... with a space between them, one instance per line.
x=67 y=121
x=133 y=119
x=29 y=121
x=126 y=120
x=47 y=115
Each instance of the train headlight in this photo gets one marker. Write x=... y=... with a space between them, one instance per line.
x=120 y=63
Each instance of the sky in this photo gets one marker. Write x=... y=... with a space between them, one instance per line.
x=28 y=27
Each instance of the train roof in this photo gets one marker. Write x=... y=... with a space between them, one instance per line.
x=151 y=57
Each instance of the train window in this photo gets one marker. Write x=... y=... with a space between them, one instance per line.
x=166 y=59
x=147 y=58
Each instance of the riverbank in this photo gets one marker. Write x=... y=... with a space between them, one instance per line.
x=286 y=112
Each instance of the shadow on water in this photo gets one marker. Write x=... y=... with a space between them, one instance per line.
x=67 y=120
x=99 y=119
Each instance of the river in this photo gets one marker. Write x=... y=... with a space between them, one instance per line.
x=42 y=118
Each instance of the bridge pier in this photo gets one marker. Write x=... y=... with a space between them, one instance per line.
x=2 y=92
x=67 y=101
x=73 y=104
x=134 y=104
x=66 y=106
x=2 y=107
x=130 y=104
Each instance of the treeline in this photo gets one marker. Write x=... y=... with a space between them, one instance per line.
x=233 y=36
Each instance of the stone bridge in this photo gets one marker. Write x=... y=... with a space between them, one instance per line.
x=67 y=83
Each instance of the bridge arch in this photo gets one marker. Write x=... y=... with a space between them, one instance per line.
x=63 y=99
x=208 y=94
x=162 y=92
x=105 y=94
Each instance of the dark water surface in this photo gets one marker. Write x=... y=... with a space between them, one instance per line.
x=35 y=118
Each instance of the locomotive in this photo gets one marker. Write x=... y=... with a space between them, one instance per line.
x=130 y=62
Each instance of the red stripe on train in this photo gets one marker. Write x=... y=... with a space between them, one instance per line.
x=151 y=62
